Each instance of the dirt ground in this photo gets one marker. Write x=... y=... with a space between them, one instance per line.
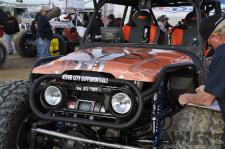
x=16 y=68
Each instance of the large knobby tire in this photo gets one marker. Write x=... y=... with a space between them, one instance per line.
x=199 y=128
x=3 y=53
x=14 y=108
x=25 y=44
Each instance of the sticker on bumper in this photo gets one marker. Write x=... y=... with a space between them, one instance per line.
x=85 y=78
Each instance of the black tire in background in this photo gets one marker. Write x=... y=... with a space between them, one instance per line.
x=199 y=128
x=3 y=53
x=14 y=108
x=25 y=44
x=62 y=45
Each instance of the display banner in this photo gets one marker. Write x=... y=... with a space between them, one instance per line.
x=77 y=4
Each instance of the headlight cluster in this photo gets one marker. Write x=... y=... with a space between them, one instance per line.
x=53 y=96
x=121 y=103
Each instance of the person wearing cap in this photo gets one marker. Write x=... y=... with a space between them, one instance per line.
x=44 y=32
x=212 y=29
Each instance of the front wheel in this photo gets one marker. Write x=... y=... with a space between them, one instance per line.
x=14 y=109
x=199 y=128
x=17 y=121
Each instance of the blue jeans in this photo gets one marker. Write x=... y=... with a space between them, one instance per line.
x=8 y=40
x=43 y=47
x=37 y=47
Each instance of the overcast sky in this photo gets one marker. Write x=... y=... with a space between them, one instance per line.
x=28 y=1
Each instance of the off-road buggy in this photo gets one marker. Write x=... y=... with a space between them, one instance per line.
x=64 y=39
x=114 y=95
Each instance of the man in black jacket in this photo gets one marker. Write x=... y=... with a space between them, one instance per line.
x=44 y=31
x=11 y=27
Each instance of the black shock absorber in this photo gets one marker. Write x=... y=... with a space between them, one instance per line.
x=157 y=114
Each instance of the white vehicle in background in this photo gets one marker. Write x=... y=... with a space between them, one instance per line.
x=26 y=19
x=66 y=35
x=63 y=22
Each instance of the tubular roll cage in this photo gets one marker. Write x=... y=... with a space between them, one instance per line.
x=195 y=3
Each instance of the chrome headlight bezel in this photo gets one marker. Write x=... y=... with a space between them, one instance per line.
x=128 y=100
x=46 y=103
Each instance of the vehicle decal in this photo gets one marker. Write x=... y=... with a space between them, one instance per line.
x=93 y=60
x=60 y=24
x=123 y=63
x=86 y=88
x=85 y=78
x=158 y=51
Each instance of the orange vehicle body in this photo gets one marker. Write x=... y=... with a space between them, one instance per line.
x=138 y=64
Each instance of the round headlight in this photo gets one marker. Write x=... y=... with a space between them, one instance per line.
x=121 y=103
x=53 y=95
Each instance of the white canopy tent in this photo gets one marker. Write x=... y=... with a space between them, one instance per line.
x=77 y=4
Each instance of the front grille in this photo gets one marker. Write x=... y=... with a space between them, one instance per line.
x=86 y=102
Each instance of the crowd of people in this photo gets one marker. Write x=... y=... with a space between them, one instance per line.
x=43 y=31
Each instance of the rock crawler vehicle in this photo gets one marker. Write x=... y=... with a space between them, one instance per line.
x=64 y=39
x=119 y=94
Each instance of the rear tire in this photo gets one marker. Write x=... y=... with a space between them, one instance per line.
x=22 y=45
x=199 y=128
x=3 y=53
x=14 y=108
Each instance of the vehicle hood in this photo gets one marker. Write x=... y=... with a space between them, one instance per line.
x=139 y=64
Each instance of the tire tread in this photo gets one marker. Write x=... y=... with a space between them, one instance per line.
x=13 y=99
